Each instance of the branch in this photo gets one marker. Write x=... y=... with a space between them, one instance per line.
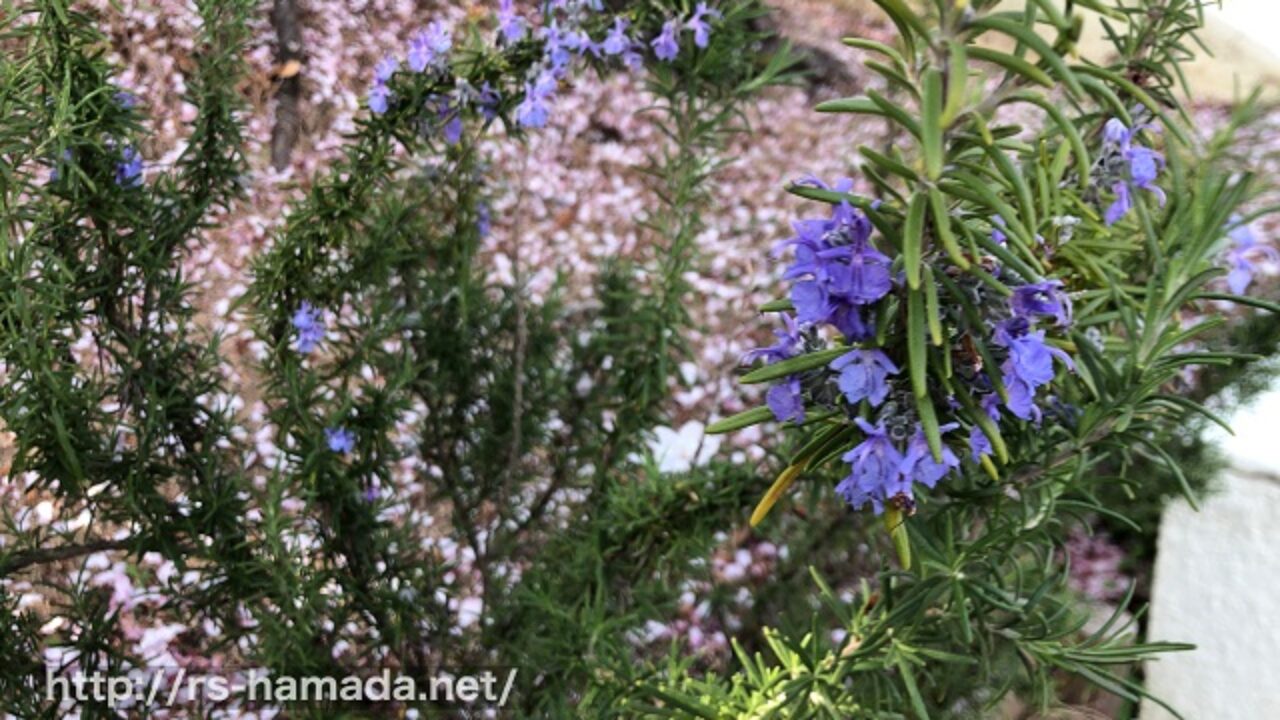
x=39 y=556
x=284 y=16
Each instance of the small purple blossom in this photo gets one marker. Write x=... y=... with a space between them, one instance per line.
x=838 y=270
x=510 y=25
x=561 y=45
x=1116 y=133
x=450 y=119
x=787 y=346
x=698 y=24
x=1143 y=165
x=385 y=68
x=340 y=440
x=875 y=475
x=310 y=326
x=864 y=374
x=125 y=99
x=633 y=59
x=453 y=130
x=617 y=42
x=430 y=47
x=979 y=444
x=1028 y=366
x=379 y=99
x=848 y=319
x=533 y=111
x=1022 y=397
x=129 y=169
x=1030 y=358
x=918 y=465
x=1044 y=299
x=997 y=231
x=1244 y=255
x=487 y=100
x=484 y=219
x=380 y=95
x=666 y=46
x=990 y=404
x=1121 y=206
x=786 y=400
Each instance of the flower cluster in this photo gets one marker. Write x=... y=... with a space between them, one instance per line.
x=1244 y=255
x=339 y=440
x=310 y=326
x=839 y=271
x=841 y=281
x=564 y=40
x=129 y=169
x=1128 y=167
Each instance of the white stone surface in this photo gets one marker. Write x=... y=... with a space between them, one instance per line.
x=1241 y=34
x=1217 y=584
x=1254 y=448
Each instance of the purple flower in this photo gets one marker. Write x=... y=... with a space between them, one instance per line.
x=1030 y=359
x=864 y=374
x=453 y=130
x=1144 y=166
x=838 y=267
x=510 y=25
x=811 y=303
x=125 y=99
x=484 y=219
x=380 y=95
x=875 y=475
x=487 y=101
x=1116 y=133
x=1028 y=366
x=979 y=445
x=1143 y=163
x=450 y=118
x=997 y=231
x=786 y=401
x=786 y=347
x=385 y=68
x=1043 y=298
x=698 y=24
x=1022 y=397
x=340 y=440
x=310 y=327
x=666 y=46
x=617 y=42
x=379 y=98
x=849 y=321
x=129 y=169
x=1122 y=205
x=990 y=404
x=869 y=278
x=841 y=185
x=430 y=47
x=918 y=465
x=633 y=59
x=560 y=46
x=1243 y=256
x=533 y=110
